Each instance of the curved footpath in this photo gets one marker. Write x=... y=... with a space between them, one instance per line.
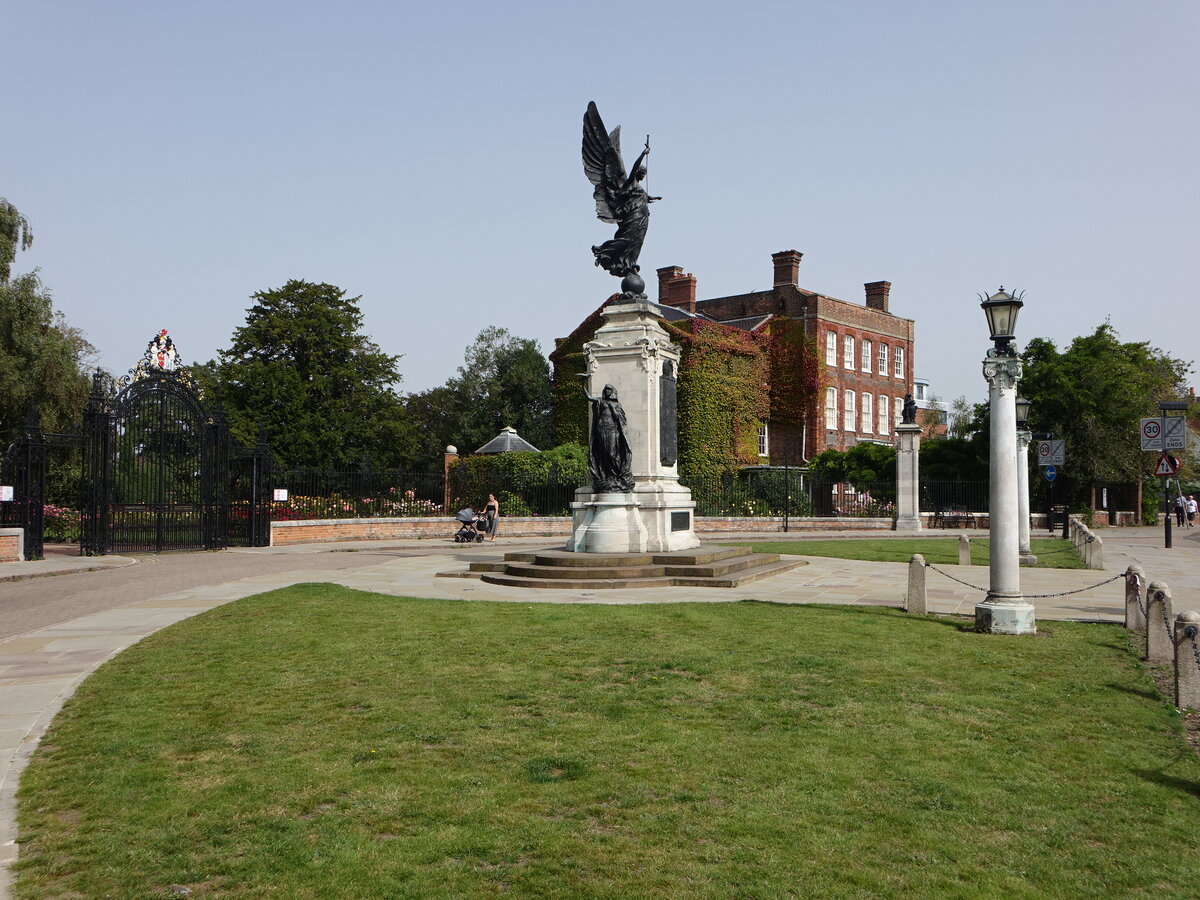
x=54 y=631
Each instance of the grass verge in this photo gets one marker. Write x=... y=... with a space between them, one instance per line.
x=321 y=742
x=1052 y=553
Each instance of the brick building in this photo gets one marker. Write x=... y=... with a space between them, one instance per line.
x=852 y=392
x=867 y=353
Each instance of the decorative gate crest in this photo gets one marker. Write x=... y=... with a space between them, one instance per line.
x=161 y=356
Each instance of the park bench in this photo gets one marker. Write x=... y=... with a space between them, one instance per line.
x=953 y=518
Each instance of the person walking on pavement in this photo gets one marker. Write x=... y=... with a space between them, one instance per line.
x=1191 y=510
x=492 y=513
x=1180 y=507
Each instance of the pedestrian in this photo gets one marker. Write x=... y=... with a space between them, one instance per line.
x=491 y=512
x=1180 y=507
x=1191 y=510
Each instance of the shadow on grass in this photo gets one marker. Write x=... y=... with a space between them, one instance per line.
x=1186 y=785
x=958 y=623
x=1149 y=695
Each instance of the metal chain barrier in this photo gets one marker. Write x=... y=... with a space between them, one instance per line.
x=1076 y=591
x=1191 y=632
x=976 y=587
x=1162 y=607
x=1137 y=594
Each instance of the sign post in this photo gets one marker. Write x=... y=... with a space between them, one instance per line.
x=1170 y=434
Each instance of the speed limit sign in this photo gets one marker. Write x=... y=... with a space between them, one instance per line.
x=1151 y=431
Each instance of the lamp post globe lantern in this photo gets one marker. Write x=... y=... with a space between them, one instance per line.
x=1022 y=413
x=1005 y=610
x=1001 y=309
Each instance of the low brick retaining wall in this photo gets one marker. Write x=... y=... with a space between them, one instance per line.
x=12 y=544
x=317 y=531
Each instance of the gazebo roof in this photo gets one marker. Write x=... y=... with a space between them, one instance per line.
x=507 y=441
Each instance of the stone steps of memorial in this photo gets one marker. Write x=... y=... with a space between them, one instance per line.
x=705 y=566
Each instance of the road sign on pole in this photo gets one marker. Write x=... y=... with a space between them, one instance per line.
x=1052 y=453
x=1050 y=472
x=1167 y=466
x=1151 y=431
x=1174 y=429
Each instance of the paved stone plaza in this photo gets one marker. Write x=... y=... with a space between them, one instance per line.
x=54 y=631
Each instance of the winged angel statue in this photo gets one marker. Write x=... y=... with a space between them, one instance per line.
x=620 y=199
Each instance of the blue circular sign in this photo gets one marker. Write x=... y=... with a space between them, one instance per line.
x=1050 y=472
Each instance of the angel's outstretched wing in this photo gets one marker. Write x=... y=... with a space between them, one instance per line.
x=602 y=161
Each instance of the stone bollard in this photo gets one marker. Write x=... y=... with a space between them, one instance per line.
x=1187 y=660
x=1135 y=578
x=1158 y=616
x=914 y=601
x=1097 y=560
x=964 y=550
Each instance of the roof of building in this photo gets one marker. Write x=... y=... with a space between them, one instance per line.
x=507 y=441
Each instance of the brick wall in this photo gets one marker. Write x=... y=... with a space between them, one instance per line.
x=12 y=545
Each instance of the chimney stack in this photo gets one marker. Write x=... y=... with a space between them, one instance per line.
x=877 y=295
x=666 y=275
x=681 y=293
x=787 y=267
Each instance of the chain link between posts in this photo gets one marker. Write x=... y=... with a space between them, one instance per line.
x=976 y=587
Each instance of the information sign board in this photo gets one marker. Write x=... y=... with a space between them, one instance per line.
x=1174 y=431
x=6 y=491
x=1052 y=453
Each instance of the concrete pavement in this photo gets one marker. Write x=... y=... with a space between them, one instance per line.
x=55 y=631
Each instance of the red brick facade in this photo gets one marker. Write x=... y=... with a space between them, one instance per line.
x=822 y=316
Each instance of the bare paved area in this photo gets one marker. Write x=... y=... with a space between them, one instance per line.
x=54 y=631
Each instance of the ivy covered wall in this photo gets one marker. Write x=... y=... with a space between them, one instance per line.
x=730 y=382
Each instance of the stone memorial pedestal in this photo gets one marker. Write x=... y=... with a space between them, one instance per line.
x=908 y=501
x=633 y=352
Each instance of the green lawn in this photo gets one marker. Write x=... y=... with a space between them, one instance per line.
x=317 y=742
x=1052 y=553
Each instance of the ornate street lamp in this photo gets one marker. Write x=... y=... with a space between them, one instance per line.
x=1022 y=406
x=1005 y=610
x=1001 y=310
x=1024 y=438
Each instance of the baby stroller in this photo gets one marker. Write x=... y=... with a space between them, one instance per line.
x=472 y=526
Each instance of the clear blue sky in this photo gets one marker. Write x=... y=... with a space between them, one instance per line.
x=174 y=158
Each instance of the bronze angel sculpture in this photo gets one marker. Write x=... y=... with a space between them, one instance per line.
x=620 y=199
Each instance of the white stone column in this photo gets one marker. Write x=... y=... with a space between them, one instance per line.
x=1026 y=554
x=908 y=486
x=1005 y=611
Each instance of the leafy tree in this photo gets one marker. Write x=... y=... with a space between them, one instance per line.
x=14 y=234
x=302 y=369
x=1092 y=395
x=504 y=380
x=861 y=464
x=43 y=360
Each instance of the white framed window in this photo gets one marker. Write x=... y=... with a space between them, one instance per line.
x=898 y=362
x=868 y=414
x=883 y=369
x=831 y=348
x=764 y=446
x=898 y=405
x=884 y=409
x=866 y=355
x=848 y=411
x=831 y=409
x=847 y=352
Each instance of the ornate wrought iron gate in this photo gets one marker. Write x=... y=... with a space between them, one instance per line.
x=25 y=466
x=156 y=465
